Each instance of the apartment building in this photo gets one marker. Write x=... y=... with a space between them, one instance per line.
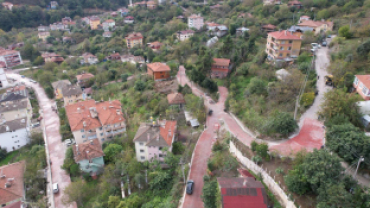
x=90 y=120
x=10 y=57
x=150 y=139
x=134 y=39
x=15 y=106
x=195 y=21
x=283 y=45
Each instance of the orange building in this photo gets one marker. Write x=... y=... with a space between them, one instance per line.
x=283 y=45
x=158 y=71
x=94 y=22
x=134 y=39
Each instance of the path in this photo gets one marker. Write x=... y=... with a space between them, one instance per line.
x=53 y=140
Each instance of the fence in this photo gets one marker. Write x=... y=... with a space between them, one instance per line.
x=270 y=182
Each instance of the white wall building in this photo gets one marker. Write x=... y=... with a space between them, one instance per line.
x=3 y=79
x=14 y=134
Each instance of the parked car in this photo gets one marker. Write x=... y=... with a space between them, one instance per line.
x=210 y=112
x=33 y=81
x=329 y=36
x=324 y=43
x=23 y=76
x=69 y=142
x=189 y=187
x=55 y=188
x=34 y=125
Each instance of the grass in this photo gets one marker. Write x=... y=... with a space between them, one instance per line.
x=10 y=158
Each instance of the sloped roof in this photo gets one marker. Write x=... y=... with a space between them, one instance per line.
x=242 y=193
x=158 y=67
x=84 y=76
x=17 y=204
x=8 y=52
x=110 y=112
x=283 y=35
x=156 y=135
x=365 y=79
x=13 y=125
x=109 y=21
x=134 y=36
x=183 y=32
x=16 y=190
x=221 y=62
x=22 y=104
x=60 y=84
x=269 y=26
x=175 y=98
x=194 y=16
x=12 y=97
x=87 y=150
x=69 y=90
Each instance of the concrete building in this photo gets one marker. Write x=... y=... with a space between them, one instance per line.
x=90 y=120
x=10 y=57
x=43 y=35
x=88 y=58
x=89 y=156
x=15 y=106
x=184 y=35
x=362 y=86
x=151 y=4
x=283 y=46
x=58 y=86
x=134 y=39
x=151 y=139
x=3 y=79
x=317 y=26
x=14 y=134
x=11 y=182
x=241 y=31
x=42 y=28
x=94 y=22
x=195 y=21
x=109 y=25
x=219 y=31
x=52 y=57
x=133 y=59
x=71 y=94
x=158 y=71
x=129 y=20
x=7 y=5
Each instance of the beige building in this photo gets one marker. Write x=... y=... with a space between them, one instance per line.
x=71 y=94
x=283 y=45
x=58 y=86
x=15 y=106
x=317 y=26
x=134 y=39
x=94 y=22
x=184 y=35
x=43 y=35
x=90 y=120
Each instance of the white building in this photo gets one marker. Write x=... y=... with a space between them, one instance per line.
x=3 y=79
x=14 y=134
x=195 y=21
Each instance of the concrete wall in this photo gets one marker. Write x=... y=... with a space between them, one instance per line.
x=14 y=140
x=272 y=185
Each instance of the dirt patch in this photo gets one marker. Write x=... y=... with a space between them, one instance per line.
x=166 y=87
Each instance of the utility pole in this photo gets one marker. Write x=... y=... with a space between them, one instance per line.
x=358 y=164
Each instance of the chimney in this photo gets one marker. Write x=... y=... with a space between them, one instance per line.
x=148 y=136
x=245 y=182
x=285 y=32
x=84 y=123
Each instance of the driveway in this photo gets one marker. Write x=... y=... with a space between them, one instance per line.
x=55 y=148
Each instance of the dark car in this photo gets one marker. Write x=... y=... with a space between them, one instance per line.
x=324 y=43
x=189 y=187
x=210 y=112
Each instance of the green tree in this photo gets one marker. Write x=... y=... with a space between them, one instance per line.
x=344 y=31
x=282 y=123
x=209 y=194
x=111 y=152
x=79 y=192
x=256 y=86
x=140 y=85
x=38 y=61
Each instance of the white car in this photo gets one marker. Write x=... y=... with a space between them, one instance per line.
x=33 y=81
x=55 y=188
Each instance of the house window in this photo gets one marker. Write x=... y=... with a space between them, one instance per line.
x=83 y=136
x=160 y=155
x=290 y=41
x=141 y=144
x=101 y=128
x=288 y=54
x=281 y=48
x=283 y=42
x=101 y=134
x=280 y=54
x=142 y=158
x=141 y=150
x=356 y=81
x=289 y=48
x=365 y=90
x=82 y=130
x=160 y=148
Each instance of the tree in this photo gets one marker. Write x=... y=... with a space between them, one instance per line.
x=210 y=194
x=256 y=86
x=111 y=152
x=140 y=85
x=344 y=31
x=282 y=123
x=3 y=153
x=38 y=61
x=364 y=49
x=49 y=92
x=79 y=192
x=86 y=45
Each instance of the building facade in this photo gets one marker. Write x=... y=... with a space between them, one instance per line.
x=14 y=134
x=3 y=79
x=362 y=86
x=83 y=79
x=134 y=39
x=220 y=68
x=283 y=45
x=184 y=35
x=89 y=156
x=94 y=22
x=15 y=106
x=71 y=94
x=43 y=35
x=195 y=21
x=158 y=71
x=10 y=57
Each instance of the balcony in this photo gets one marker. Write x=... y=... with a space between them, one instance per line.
x=115 y=132
x=92 y=137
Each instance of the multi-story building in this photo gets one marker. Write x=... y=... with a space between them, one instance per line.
x=90 y=120
x=42 y=28
x=89 y=156
x=94 y=22
x=220 y=68
x=134 y=39
x=195 y=21
x=109 y=24
x=82 y=79
x=158 y=71
x=317 y=26
x=14 y=134
x=151 y=4
x=184 y=35
x=88 y=58
x=43 y=35
x=129 y=20
x=151 y=139
x=58 y=26
x=362 y=86
x=7 y=5
x=15 y=106
x=10 y=57
x=71 y=94
x=283 y=45
x=52 y=57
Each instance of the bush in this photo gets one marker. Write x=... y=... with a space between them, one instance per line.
x=262 y=150
x=257 y=159
x=307 y=99
x=279 y=170
x=178 y=148
x=254 y=145
x=281 y=123
x=124 y=77
x=344 y=31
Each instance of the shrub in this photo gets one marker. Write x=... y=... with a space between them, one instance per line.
x=254 y=145
x=282 y=123
x=262 y=150
x=257 y=159
x=307 y=99
x=279 y=170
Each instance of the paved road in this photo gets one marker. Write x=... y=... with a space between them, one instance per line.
x=53 y=140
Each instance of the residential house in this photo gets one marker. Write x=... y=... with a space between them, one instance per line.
x=86 y=93
x=53 y=4
x=67 y=39
x=18 y=89
x=86 y=20
x=283 y=46
x=184 y=35
x=90 y=120
x=241 y=31
x=58 y=86
x=317 y=26
x=271 y=2
x=129 y=20
x=3 y=79
x=180 y=17
x=11 y=58
x=7 y=5
x=151 y=139
x=151 y=4
x=15 y=45
x=300 y=29
x=109 y=25
x=268 y=28
x=107 y=34
x=175 y=99
x=58 y=26
x=12 y=189
x=195 y=21
x=133 y=59
x=141 y=4
x=243 y=192
x=158 y=71
x=362 y=86
x=123 y=11
x=52 y=57
x=71 y=94
x=43 y=35
x=14 y=106
x=220 y=68
x=219 y=31
x=14 y=134
x=88 y=58
x=82 y=79
x=295 y=3
x=211 y=25
x=89 y=156
x=155 y=46
x=114 y=14
x=245 y=15
x=42 y=28
x=114 y=57
x=94 y=22
x=304 y=18
x=66 y=20
x=134 y=39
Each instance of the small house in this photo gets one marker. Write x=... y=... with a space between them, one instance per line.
x=158 y=71
x=220 y=68
x=184 y=35
x=107 y=34
x=53 y=5
x=176 y=99
x=241 y=30
x=58 y=86
x=82 y=79
x=89 y=156
x=268 y=28
x=129 y=20
x=155 y=46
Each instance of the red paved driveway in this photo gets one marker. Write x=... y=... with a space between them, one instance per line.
x=53 y=140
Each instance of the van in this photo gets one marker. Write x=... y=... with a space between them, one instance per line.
x=55 y=188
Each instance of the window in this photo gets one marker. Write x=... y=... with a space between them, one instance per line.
x=365 y=90
x=290 y=41
x=141 y=144
x=356 y=81
x=288 y=54
x=101 y=128
x=160 y=148
x=142 y=157
x=141 y=150
x=82 y=130
x=289 y=48
x=101 y=134
x=283 y=42
x=280 y=54
x=160 y=155
x=83 y=136
x=281 y=48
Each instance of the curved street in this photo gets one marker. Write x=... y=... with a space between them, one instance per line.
x=53 y=142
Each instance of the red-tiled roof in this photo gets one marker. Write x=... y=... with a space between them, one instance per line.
x=295 y=2
x=305 y=16
x=151 y=3
x=17 y=204
x=221 y=62
x=88 y=150
x=269 y=26
x=242 y=193
x=164 y=131
x=14 y=177
x=245 y=173
x=158 y=67
x=129 y=17
x=175 y=98
x=365 y=79
x=283 y=35
x=110 y=112
x=134 y=36
x=84 y=76
x=8 y=52
x=109 y=21
x=194 y=16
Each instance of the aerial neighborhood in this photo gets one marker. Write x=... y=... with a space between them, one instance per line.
x=185 y=104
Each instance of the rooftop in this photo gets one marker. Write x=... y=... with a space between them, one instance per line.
x=183 y=32
x=14 y=179
x=60 y=84
x=12 y=97
x=195 y=16
x=16 y=105
x=84 y=76
x=160 y=134
x=175 y=98
x=87 y=150
x=69 y=90
x=283 y=35
x=269 y=26
x=134 y=35
x=221 y=61
x=365 y=79
x=6 y=52
x=13 y=125
x=158 y=67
